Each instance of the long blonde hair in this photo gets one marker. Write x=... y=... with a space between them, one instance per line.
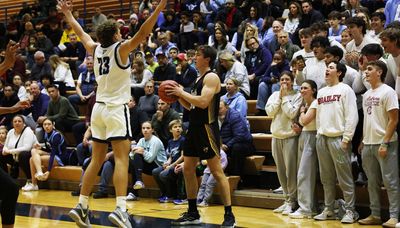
x=55 y=60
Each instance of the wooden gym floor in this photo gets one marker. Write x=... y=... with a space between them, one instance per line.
x=49 y=208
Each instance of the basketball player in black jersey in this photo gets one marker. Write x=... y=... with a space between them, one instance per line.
x=202 y=140
x=9 y=188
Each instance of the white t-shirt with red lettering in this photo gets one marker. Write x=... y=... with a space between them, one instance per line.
x=376 y=105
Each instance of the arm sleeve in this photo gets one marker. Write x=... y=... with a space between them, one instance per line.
x=239 y=129
x=224 y=160
x=273 y=104
x=26 y=142
x=350 y=115
x=291 y=109
x=55 y=150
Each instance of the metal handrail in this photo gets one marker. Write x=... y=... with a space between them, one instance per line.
x=122 y=9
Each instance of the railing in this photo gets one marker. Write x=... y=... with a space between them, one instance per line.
x=122 y=9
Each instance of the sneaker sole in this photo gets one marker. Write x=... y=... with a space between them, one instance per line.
x=194 y=222
x=77 y=219
x=116 y=221
x=325 y=219
x=300 y=216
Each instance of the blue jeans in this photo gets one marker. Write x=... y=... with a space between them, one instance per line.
x=264 y=91
x=164 y=180
x=106 y=176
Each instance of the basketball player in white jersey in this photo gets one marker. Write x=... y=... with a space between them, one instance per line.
x=110 y=119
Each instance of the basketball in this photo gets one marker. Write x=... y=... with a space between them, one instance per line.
x=163 y=95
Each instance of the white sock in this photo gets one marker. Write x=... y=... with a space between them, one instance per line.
x=84 y=201
x=121 y=202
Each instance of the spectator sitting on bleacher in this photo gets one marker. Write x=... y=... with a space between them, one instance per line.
x=148 y=102
x=165 y=44
x=151 y=64
x=185 y=73
x=133 y=25
x=165 y=69
x=19 y=88
x=54 y=152
x=236 y=138
x=9 y=99
x=62 y=74
x=17 y=149
x=269 y=82
x=234 y=98
x=234 y=69
x=24 y=40
x=45 y=80
x=39 y=103
x=161 y=119
x=147 y=155
x=60 y=111
x=44 y=44
x=98 y=18
x=139 y=77
x=257 y=60
x=74 y=53
x=208 y=182
x=53 y=32
x=231 y=16
x=40 y=67
x=171 y=23
x=65 y=37
x=138 y=117
x=164 y=175
x=84 y=86
x=84 y=149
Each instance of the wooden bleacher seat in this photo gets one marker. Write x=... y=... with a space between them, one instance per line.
x=259 y=124
x=251 y=107
x=262 y=141
x=253 y=164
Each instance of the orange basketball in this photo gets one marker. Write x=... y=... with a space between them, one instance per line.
x=163 y=95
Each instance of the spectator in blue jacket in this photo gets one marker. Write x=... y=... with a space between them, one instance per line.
x=270 y=81
x=171 y=23
x=234 y=98
x=185 y=74
x=85 y=85
x=237 y=141
x=257 y=60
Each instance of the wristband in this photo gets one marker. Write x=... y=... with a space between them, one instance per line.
x=385 y=145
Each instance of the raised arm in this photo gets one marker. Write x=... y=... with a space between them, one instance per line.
x=65 y=6
x=143 y=32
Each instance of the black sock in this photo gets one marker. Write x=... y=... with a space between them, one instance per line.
x=228 y=209
x=192 y=205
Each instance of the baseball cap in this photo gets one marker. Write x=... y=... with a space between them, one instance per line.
x=148 y=54
x=181 y=57
x=160 y=52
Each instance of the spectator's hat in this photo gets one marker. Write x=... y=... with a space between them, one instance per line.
x=121 y=21
x=148 y=55
x=160 y=52
x=181 y=57
x=133 y=16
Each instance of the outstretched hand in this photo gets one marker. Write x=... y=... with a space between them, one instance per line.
x=11 y=52
x=64 y=6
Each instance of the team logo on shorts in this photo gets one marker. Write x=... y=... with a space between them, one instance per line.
x=205 y=149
